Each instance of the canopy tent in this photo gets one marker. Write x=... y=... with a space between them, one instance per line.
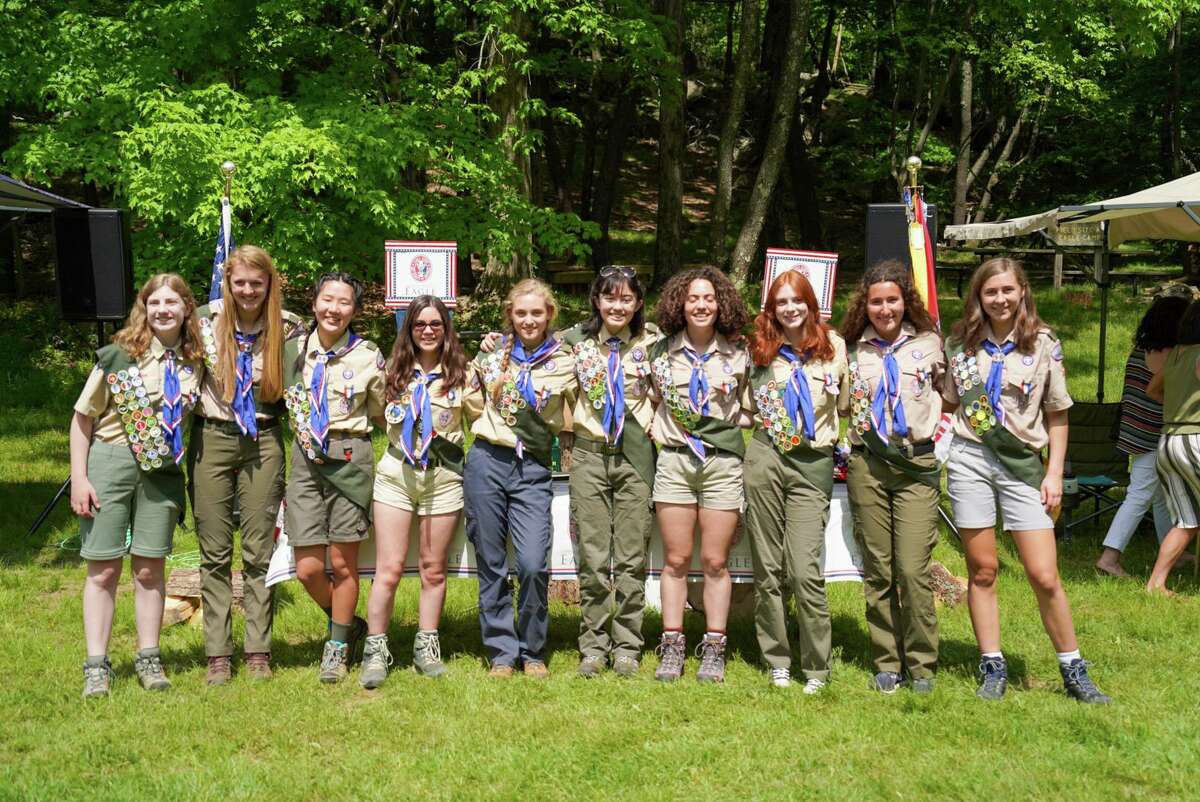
x=17 y=196
x=1167 y=211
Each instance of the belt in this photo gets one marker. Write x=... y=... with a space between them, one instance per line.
x=231 y=428
x=910 y=451
x=708 y=449
x=597 y=447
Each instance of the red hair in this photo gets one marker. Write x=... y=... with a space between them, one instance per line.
x=768 y=334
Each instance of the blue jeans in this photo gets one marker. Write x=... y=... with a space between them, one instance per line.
x=506 y=496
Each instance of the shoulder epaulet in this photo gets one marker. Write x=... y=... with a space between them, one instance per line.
x=659 y=348
x=1048 y=333
x=573 y=336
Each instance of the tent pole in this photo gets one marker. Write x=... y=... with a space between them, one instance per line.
x=1101 y=269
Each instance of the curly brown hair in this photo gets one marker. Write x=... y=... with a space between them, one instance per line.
x=732 y=315
x=856 y=321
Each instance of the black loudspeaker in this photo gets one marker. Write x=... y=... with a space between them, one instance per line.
x=887 y=232
x=93 y=264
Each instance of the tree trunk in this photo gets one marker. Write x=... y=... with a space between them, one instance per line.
x=560 y=171
x=623 y=116
x=592 y=122
x=506 y=103
x=668 y=245
x=727 y=63
x=777 y=139
x=1001 y=163
x=1170 y=145
x=735 y=106
x=962 y=163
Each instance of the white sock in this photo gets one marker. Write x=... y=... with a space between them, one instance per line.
x=992 y=655
x=1065 y=658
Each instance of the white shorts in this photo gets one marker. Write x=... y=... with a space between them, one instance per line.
x=978 y=482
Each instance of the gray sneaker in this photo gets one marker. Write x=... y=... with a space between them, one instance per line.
x=711 y=652
x=96 y=679
x=375 y=662
x=427 y=654
x=148 y=666
x=333 y=663
x=922 y=686
x=625 y=666
x=591 y=666
x=671 y=651
x=887 y=682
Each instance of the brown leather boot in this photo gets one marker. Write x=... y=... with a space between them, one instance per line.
x=220 y=669
x=258 y=665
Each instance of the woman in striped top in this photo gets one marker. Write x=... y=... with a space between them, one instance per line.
x=1141 y=420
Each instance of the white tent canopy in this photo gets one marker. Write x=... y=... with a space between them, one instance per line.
x=1167 y=211
x=17 y=196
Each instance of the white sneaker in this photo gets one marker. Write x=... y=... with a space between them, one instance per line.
x=814 y=686
x=781 y=678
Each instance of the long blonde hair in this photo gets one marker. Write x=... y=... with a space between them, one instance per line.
x=270 y=386
x=968 y=331
x=528 y=286
x=136 y=335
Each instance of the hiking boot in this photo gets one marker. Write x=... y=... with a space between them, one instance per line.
x=993 y=678
x=591 y=666
x=536 y=669
x=354 y=642
x=148 y=666
x=220 y=670
x=375 y=662
x=781 y=678
x=96 y=679
x=671 y=651
x=922 y=686
x=886 y=682
x=625 y=666
x=333 y=663
x=1079 y=685
x=711 y=652
x=501 y=670
x=814 y=685
x=258 y=665
x=427 y=654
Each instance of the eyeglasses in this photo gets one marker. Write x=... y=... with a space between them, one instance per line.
x=627 y=273
x=432 y=325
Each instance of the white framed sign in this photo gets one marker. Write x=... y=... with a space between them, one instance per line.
x=819 y=267
x=411 y=269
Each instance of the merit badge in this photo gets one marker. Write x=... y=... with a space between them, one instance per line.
x=393 y=412
x=549 y=364
x=1027 y=360
x=347 y=374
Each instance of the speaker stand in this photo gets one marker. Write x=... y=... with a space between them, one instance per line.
x=49 y=508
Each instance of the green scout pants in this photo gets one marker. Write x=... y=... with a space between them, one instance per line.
x=610 y=506
x=896 y=519
x=225 y=466
x=785 y=520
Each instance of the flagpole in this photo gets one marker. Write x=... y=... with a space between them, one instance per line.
x=224 y=234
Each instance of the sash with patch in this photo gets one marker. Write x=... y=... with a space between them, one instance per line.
x=591 y=370
x=143 y=431
x=350 y=480
x=1021 y=459
x=779 y=432
x=860 y=421
x=535 y=434
x=719 y=434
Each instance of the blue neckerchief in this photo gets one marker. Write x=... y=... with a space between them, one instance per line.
x=172 y=407
x=526 y=362
x=614 y=393
x=243 y=392
x=887 y=394
x=698 y=392
x=419 y=408
x=797 y=399
x=318 y=417
x=995 y=379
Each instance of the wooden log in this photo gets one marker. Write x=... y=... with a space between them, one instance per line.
x=179 y=609
x=947 y=588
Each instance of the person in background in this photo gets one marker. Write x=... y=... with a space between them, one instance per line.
x=1141 y=423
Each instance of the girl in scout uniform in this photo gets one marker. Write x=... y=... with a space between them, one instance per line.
x=799 y=370
x=126 y=449
x=1177 y=386
x=612 y=470
x=894 y=480
x=334 y=391
x=236 y=455
x=522 y=389
x=419 y=475
x=700 y=375
x=1010 y=391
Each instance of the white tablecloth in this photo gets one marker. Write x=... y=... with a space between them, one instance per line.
x=843 y=561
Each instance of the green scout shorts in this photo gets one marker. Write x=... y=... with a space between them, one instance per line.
x=317 y=514
x=127 y=497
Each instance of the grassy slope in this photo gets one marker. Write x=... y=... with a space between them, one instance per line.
x=468 y=736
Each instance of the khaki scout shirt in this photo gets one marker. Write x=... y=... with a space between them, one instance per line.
x=728 y=372
x=445 y=403
x=556 y=375
x=96 y=400
x=827 y=384
x=211 y=403
x=354 y=384
x=1033 y=384
x=922 y=364
x=635 y=364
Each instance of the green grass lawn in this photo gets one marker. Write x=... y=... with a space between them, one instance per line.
x=468 y=736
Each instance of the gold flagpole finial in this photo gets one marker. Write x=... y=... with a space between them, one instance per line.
x=913 y=165
x=228 y=168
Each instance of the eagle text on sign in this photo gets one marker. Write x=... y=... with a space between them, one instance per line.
x=412 y=269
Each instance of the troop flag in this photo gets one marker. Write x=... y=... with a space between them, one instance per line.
x=225 y=246
x=920 y=249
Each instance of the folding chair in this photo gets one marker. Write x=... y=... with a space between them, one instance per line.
x=1098 y=466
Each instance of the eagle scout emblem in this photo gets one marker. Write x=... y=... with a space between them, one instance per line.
x=420 y=267
x=639 y=355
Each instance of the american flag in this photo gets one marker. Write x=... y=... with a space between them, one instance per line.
x=225 y=246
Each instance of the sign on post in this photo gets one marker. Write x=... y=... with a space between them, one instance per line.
x=411 y=269
x=819 y=267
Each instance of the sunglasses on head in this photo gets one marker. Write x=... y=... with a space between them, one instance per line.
x=627 y=273
x=432 y=325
